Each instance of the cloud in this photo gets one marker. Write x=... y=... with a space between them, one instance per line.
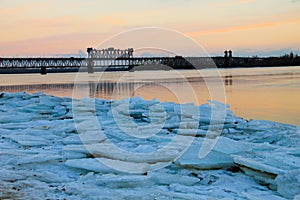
x=235 y=2
x=51 y=45
x=241 y=27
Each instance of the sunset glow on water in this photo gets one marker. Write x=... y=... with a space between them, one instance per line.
x=257 y=93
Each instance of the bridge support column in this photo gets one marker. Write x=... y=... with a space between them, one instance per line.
x=91 y=67
x=43 y=70
x=230 y=58
x=130 y=65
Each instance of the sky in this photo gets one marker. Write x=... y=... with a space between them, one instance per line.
x=58 y=27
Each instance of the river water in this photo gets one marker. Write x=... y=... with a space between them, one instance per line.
x=252 y=93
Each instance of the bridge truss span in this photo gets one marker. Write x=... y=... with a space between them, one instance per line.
x=41 y=62
x=109 y=59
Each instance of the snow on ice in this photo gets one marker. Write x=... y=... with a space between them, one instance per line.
x=138 y=149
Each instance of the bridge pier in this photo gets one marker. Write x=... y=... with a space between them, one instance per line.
x=91 y=67
x=43 y=70
x=228 y=58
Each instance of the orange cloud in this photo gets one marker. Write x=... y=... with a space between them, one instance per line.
x=242 y=27
x=52 y=45
x=114 y=20
x=25 y=29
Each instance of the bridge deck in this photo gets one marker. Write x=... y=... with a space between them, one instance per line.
x=22 y=65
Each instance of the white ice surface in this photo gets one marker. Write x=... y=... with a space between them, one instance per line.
x=43 y=156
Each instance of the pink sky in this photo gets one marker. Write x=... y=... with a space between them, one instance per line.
x=51 y=27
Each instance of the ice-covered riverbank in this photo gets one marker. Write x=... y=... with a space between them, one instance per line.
x=43 y=157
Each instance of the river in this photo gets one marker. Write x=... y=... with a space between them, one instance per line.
x=253 y=93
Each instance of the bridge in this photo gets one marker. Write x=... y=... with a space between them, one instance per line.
x=112 y=59
x=109 y=59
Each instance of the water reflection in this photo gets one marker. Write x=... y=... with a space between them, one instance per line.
x=31 y=88
x=228 y=80
x=110 y=90
x=106 y=90
x=262 y=93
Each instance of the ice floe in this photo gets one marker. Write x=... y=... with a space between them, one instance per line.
x=59 y=148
